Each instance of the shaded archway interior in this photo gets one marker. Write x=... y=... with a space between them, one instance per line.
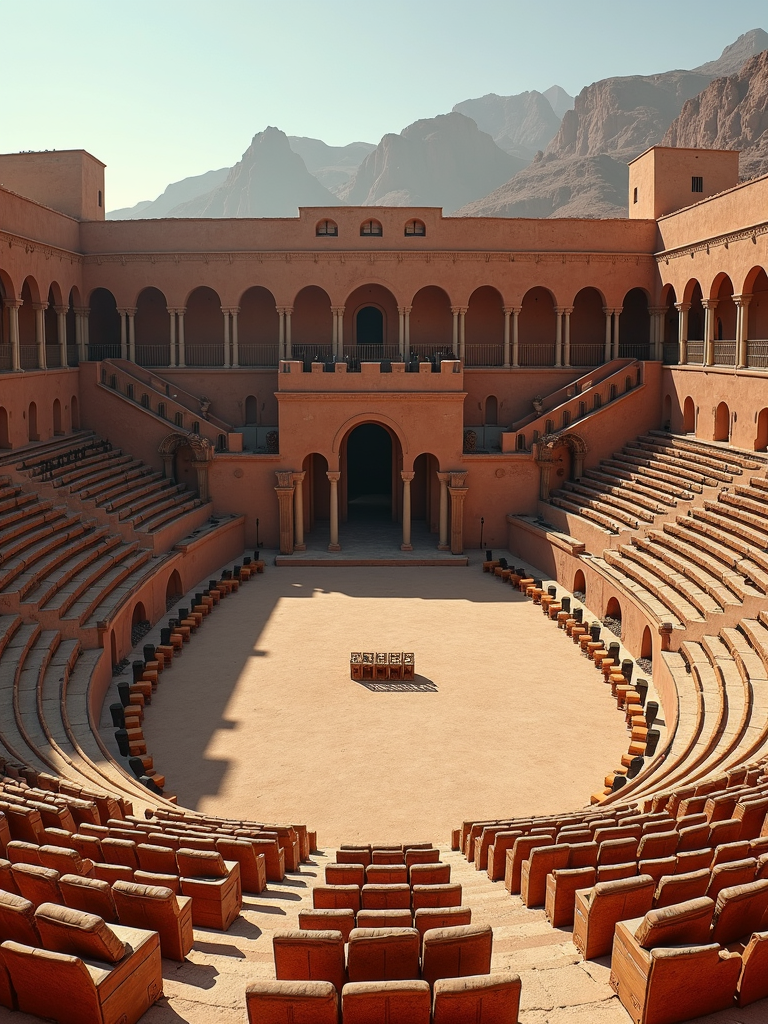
x=369 y=474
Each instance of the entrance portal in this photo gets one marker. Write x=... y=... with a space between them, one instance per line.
x=369 y=473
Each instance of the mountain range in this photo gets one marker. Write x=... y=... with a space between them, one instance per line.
x=534 y=154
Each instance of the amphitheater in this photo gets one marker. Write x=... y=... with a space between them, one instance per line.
x=245 y=467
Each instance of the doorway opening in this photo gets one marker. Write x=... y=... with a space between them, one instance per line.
x=369 y=473
x=370 y=326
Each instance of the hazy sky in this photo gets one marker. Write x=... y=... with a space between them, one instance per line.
x=161 y=89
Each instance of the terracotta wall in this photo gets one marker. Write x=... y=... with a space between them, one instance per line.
x=18 y=391
x=744 y=393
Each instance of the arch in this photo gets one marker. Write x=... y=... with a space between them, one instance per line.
x=431 y=322
x=74 y=409
x=326 y=227
x=635 y=325
x=671 y=328
x=425 y=490
x=756 y=286
x=52 y=350
x=7 y=290
x=761 y=437
x=317 y=490
x=372 y=296
x=579 y=585
x=312 y=323
x=371 y=228
x=258 y=327
x=5 y=437
x=646 y=644
x=103 y=325
x=30 y=293
x=152 y=326
x=32 y=428
x=415 y=228
x=204 y=328
x=613 y=610
x=484 y=328
x=113 y=652
x=385 y=421
x=138 y=615
x=588 y=328
x=689 y=416
x=538 y=328
x=722 y=423
x=491 y=417
x=695 y=322
x=724 y=327
x=173 y=590
x=251 y=411
x=57 y=417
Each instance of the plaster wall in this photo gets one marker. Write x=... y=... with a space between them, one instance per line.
x=744 y=392
x=18 y=390
x=71 y=181
x=662 y=176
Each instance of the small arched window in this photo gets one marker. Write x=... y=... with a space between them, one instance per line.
x=415 y=227
x=371 y=228
x=327 y=227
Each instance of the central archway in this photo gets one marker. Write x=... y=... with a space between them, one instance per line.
x=370 y=326
x=369 y=474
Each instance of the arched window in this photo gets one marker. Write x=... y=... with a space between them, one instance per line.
x=415 y=227
x=370 y=228
x=327 y=227
x=491 y=411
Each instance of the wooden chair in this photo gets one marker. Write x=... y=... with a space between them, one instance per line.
x=310 y=956
x=383 y=954
x=490 y=999
x=291 y=1002
x=386 y=1002
x=158 y=909
x=456 y=952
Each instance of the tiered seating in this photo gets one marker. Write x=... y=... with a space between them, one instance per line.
x=647 y=479
x=104 y=477
x=388 y=939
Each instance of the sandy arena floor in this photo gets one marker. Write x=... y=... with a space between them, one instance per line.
x=260 y=719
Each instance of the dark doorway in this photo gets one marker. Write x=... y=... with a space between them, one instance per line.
x=370 y=326
x=369 y=473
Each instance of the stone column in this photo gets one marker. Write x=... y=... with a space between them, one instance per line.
x=298 y=511
x=61 y=327
x=132 y=335
x=683 y=309
x=81 y=320
x=709 y=305
x=172 y=337
x=181 y=361
x=608 y=333
x=444 y=479
x=87 y=334
x=742 y=329
x=338 y=319
x=288 y=341
x=407 y=319
x=401 y=332
x=455 y=342
x=235 y=341
x=458 y=493
x=505 y=351
x=281 y=332
x=462 y=333
x=657 y=331
x=567 y=310
x=13 y=323
x=516 y=310
x=123 y=333
x=333 y=476
x=406 y=478
x=225 y=314
x=558 y=334
x=40 y=308
x=616 y=339
x=284 y=491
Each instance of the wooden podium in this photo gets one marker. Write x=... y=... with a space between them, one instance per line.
x=381 y=665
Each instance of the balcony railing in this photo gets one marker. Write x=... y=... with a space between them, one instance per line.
x=257 y=354
x=53 y=356
x=590 y=354
x=671 y=353
x=757 y=354
x=641 y=350
x=724 y=353
x=98 y=352
x=537 y=354
x=153 y=355
x=696 y=352
x=28 y=357
x=483 y=354
x=204 y=355
x=310 y=351
x=73 y=357
x=6 y=357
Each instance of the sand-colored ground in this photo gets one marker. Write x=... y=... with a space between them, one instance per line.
x=260 y=719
